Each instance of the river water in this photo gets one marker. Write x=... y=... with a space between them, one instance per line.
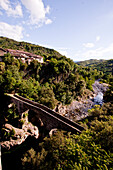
x=99 y=90
x=99 y=98
x=79 y=109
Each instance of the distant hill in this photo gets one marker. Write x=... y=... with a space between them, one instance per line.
x=89 y=62
x=106 y=66
x=25 y=46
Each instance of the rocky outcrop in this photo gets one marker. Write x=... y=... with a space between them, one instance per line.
x=19 y=135
x=99 y=87
x=60 y=109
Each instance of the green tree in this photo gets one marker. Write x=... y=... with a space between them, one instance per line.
x=46 y=97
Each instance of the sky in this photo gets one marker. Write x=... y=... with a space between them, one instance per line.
x=79 y=29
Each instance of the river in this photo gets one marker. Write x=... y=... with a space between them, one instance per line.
x=99 y=99
x=79 y=109
x=99 y=90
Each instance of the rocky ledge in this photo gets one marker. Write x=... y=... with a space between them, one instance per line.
x=18 y=135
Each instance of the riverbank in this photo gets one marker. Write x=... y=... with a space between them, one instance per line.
x=78 y=109
x=99 y=87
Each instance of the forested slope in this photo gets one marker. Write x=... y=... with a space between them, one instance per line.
x=57 y=80
x=104 y=66
x=25 y=46
x=89 y=62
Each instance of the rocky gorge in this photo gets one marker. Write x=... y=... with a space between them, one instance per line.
x=78 y=109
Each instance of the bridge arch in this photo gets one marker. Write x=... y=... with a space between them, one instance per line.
x=49 y=118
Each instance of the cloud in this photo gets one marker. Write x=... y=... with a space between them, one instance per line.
x=37 y=12
x=11 y=31
x=88 y=45
x=98 y=53
x=48 y=21
x=98 y=38
x=63 y=52
x=27 y=35
x=6 y=5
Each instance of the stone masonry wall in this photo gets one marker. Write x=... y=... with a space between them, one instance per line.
x=50 y=119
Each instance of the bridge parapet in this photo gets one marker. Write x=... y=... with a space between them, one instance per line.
x=49 y=118
x=52 y=112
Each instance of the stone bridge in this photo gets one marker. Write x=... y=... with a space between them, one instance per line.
x=49 y=118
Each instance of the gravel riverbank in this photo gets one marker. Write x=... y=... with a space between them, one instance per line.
x=79 y=109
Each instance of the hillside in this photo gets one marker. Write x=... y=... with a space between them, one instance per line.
x=58 y=79
x=104 y=66
x=89 y=62
x=25 y=46
x=62 y=74
x=56 y=83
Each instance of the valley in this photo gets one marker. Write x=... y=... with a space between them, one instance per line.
x=80 y=93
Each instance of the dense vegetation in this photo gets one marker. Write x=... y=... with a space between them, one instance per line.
x=104 y=66
x=58 y=79
x=89 y=62
x=93 y=149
